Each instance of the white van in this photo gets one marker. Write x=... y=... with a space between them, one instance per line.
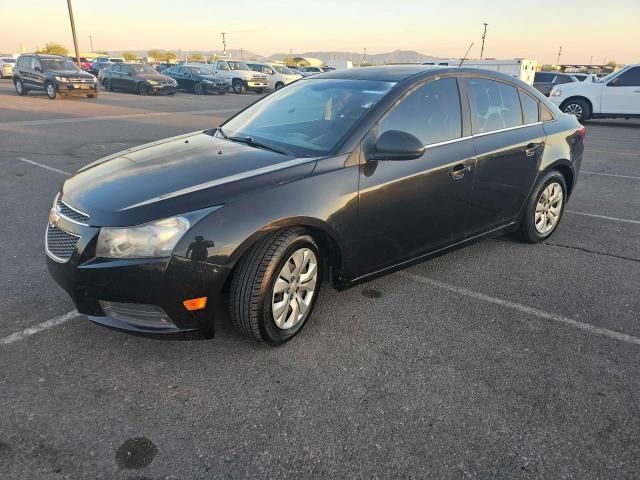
x=278 y=75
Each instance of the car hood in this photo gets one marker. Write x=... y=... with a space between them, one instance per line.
x=153 y=76
x=211 y=78
x=70 y=73
x=577 y=87
x=177 y=175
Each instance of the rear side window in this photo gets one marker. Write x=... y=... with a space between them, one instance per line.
x=494 y=106
x=545 y=114
x=529 y=109
x=431 y=113
x=563 y=79
x=544 y=77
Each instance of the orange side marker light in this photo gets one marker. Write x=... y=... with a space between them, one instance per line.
x=194 y=304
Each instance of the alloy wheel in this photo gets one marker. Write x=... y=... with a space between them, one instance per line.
x=19 y=87
x=294 y=289
x=549 y=208
x=51 y=90
x=574 y=109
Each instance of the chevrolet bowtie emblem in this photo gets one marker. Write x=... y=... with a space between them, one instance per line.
x=53 y=217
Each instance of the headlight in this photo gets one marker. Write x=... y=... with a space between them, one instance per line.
x=152 y=82
x=556 y=93
x=61 y=79
x=154 y=239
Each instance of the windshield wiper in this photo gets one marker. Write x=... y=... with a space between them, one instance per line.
x=252 y=143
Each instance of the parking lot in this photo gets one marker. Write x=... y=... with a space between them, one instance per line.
x=501 y=360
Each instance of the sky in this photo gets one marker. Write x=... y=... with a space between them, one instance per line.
x=518 y=28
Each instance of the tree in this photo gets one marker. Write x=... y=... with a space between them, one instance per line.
x=157 y=55
x=612 y=64
x=170 y=56
x=129 y=56
x=196 y=57
x=54 y=49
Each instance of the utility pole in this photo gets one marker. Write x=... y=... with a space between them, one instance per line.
x=484 y=35
x=224 y=44
x=591 y=60
x=559 y=53
x=91 y=42
x=364 y=56
x=241 y=53
x=73 y=31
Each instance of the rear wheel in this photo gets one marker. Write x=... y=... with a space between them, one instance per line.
x=237 y=86
x=275 y=286
x=579 y=108
x=197 y=89
x=106 y=83
x=50 y=90
x=20 y=87
x=544 y=208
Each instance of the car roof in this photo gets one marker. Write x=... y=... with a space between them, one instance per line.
x=46 y=55
x=386 y=73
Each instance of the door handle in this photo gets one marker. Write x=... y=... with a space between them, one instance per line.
x=531 y=149
x=636 y=91
x=459 y=171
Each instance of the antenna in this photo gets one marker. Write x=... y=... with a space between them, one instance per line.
x=465 y=55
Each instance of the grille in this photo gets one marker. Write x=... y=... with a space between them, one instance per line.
x=81 y=80
x=166 y=82
x=68 y=212
x=60 y=244
x=138 y=314
x=259 y=78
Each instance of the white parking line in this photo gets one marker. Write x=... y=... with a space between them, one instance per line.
x=622 y=337
x=26 y=160
x=53 y=121
x=27 y=332
x=631 y=154
x=604 y=217
x=610 y=175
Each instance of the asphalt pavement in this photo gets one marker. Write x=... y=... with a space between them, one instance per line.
x=500 y=360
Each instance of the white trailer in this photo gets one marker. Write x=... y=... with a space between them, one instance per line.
x=520 y=68
x=340 y=64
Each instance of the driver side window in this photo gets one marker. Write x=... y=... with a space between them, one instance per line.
x=630 y=78
x=223 y=66
x=431 y=113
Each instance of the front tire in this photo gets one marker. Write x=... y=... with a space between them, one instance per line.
x=106 y=83
x=51 y=91
x=578 y=108
x=20 y=90
x=544 y=208
x=237 y=86
x=275 y=286
x=279 y=85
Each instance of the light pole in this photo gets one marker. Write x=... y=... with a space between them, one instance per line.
x=91 y=42
x=224 y=44
x=364 y=56
x=73 y=32
x=559 y=54
x=484 y=35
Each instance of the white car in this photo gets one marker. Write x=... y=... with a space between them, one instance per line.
x=308 y=71
x=6 y=67
x=277 y=75
x=615 y=96
x=240 y=76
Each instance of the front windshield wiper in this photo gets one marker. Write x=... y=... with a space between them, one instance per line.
x=253 y=143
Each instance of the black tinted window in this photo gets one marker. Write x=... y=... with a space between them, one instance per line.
x=630 y=78
x=431 y=113
x=545 y=114
x=529 y=108
x=544 y=77
x=494 y=106
x=563 y=79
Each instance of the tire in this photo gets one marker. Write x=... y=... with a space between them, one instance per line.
x=142 y=89
x=197 y=89
x=279 y=85
x=577 y=107
x=238 y=86
x=20 y=90
x=106 y=83
x=50 y=90
x=550 y=185
x=266 y=264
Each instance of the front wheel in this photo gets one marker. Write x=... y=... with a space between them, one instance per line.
x=51 y=91
x=275 y=286
x=544 y=208
x=578 y=108
x=106 y=83
x=20 y=90
x=237 y=86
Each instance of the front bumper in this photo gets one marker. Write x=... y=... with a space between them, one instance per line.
x=71 y=88
x=213 y=88
x=256 y=85
x=163 y=89
x=108 y=290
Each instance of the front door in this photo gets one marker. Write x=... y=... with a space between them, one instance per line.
x=622 y=94
x=411 y=207
x=509 y=147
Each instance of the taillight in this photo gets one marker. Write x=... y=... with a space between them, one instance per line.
x=582 y=131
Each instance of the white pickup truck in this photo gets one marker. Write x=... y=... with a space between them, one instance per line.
x=240 y=76
x=615 y=96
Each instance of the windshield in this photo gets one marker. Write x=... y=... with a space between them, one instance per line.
x=310 y=117
x=611 y=75
x=142 y=68
x=200 y=71
x=283 y=70
x=8 y=60
x=58 y=64
x=238 y=65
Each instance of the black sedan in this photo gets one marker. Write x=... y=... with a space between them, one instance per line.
x=197 y=79
x=137 y=77
x=337 y=178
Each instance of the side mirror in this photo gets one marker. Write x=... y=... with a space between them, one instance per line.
x=397 y=145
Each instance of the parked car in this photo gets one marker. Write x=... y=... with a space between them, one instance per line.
x=159 y=67
x=52 y=74
x=6 y=67
x=85 y=63
x=240 y=76
x=137 y=77
x=102 y=62
x=197 y=79
x=308 y=71
x=336 y=178
x=615 y=96
x=277 y=75
x=545 y=81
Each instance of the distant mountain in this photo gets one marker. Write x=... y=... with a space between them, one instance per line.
x=397 y=56
x=237 y=54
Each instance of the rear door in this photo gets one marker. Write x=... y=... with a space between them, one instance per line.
x=509 y=146
x=622 y=94
x=415 y=206
x=128 y=78
x=114 y=73
x=185 y=78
